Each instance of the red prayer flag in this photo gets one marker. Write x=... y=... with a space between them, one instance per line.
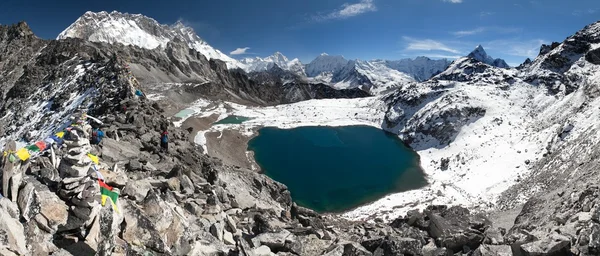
x=41 y=145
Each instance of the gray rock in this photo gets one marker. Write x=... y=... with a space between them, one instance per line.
x=158 y=211
x=140 y=230
x=174 y=184
x=12 y=234
x=584 y=217
x=392 y=245
x=228 y=238
x=134 y=165
x=554 y=245
x=194 y=208
x=262 y=250
x=114 y=151
x=149 y=167
x=216 y=230
x=115 y=179
x=431 y=250
x=453 y=230
x=493 y=250
x=493 y=236
x=347 y=249
x=35 y=198
x=231 y=223
x=137 y=189
x=187 y=186
x=234 y=211
x=27 y=202
x=108 y=231
x=275 y=241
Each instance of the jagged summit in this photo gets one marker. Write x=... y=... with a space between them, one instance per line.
x=258 y=64
x=480 y=55
x=325 y=63
x=141 y=31
x=420 y=68
x=20 y=29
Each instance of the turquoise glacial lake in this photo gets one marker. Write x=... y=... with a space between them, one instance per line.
x=233 y=120
x=335 y=169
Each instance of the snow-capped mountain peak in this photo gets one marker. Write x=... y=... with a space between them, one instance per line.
x=482 y=56
x=141 y=31
x=325 y=63
x=277 y=59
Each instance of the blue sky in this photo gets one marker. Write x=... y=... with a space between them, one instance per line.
x=365 y=29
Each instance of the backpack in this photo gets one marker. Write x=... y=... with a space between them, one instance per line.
x=164 y=138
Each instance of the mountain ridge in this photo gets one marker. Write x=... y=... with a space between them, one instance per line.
x=480 y=54
x=139 y=30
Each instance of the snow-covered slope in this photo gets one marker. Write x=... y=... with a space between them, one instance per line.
x=325 y=64
x=373 y=77
x=141 y=31
x=420 y=68
x=263 y=64
x=480 y=55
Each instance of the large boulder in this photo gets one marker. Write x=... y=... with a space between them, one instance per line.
x=348 y=249
x=137 y=189
x=552 y=245
x=35 y=198
x=276 y=241
x=392 y=245
x=493 y=250
x=312 y=245
x=158 y=211
x=115 y=179
x=114 y=151
x=454 y=228
x=139 y=230
x=12 y=235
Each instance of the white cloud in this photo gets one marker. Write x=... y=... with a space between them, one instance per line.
x=442 y=56
x=427 y=45
x=469 y=32
x=583 y=12
x=497 y=30
x=454 y=1
x=239 y=51
x=349 y=10
x=484 y=13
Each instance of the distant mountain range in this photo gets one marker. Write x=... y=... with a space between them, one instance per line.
x=373 y=76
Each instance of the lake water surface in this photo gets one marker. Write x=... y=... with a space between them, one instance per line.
x=334 y=169
x=233 y=120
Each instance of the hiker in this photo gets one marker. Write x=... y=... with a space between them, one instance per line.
x=97 y=136
x=164 y=140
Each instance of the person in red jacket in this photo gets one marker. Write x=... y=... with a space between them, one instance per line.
x=164 y=141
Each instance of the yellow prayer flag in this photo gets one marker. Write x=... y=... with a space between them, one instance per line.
x=114 y=205
x=23 y=154
x=93 y=158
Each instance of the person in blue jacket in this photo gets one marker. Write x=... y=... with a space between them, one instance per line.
x=164 y=141
x=97 y=136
